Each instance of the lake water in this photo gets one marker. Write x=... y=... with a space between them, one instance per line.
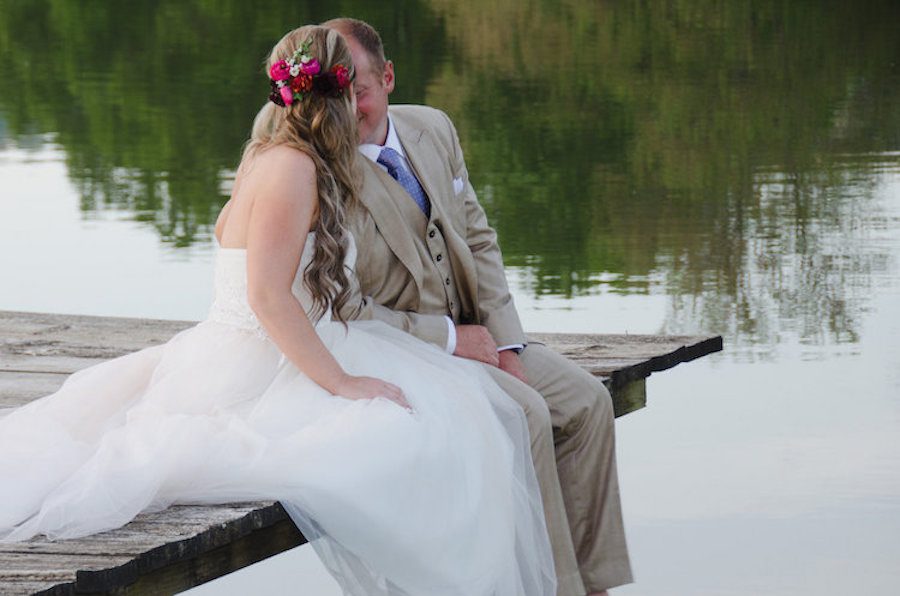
x=678 y=167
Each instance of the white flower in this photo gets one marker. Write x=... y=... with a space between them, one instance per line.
x=295 y=70
x=304 y=58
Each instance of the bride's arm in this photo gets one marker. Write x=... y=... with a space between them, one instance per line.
x=282 y=188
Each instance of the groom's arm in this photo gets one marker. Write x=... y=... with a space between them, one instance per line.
x=380 y=271
x=475 y=342
x=496 y=309
x=430 y=328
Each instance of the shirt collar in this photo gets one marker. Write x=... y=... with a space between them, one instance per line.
x=372 y=151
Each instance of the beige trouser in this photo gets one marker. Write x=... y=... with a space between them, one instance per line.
x=570 y=417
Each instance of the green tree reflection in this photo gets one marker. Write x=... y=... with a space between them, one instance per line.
x=714 y=151
x=153 y=100
x=697 y=145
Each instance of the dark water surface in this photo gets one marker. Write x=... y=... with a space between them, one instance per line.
x=659 y=167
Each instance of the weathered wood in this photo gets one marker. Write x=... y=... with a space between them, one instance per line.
x=36 y=346
x=157 y=553
x=624 y=361
x=17 y=388
x=184 y=546
x=147 y=531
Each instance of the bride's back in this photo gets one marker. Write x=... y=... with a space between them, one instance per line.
x=273 y=170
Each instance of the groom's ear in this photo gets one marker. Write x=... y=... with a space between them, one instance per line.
x=388 y=76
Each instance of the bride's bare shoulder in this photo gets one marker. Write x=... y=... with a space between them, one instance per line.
x=278 y=163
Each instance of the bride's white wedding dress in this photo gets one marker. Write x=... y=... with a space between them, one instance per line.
x=440 y=500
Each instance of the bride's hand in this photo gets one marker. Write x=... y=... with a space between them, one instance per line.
x=353 y=387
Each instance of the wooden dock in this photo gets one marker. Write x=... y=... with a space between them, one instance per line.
x=184 y=546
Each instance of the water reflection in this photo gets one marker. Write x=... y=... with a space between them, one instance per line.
x=153 y=99
x=714 y=153
x=722 y=154
x=804 y=267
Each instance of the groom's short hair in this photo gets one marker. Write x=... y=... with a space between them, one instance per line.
x=363 y=33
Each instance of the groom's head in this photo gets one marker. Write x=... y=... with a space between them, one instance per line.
x=374 y=77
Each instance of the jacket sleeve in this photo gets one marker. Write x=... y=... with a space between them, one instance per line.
x=431 y=328
x=496 y=309
x=427 y=327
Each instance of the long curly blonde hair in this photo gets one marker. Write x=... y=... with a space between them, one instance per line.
x=324 y=128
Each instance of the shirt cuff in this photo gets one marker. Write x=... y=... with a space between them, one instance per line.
x=451 y=336
x=517 y=348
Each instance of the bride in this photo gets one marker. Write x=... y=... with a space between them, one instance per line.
x=407 y=469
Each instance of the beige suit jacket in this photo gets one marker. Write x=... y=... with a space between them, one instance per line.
x=581 y=494
x=389 y=271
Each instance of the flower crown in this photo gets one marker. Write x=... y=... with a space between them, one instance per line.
x=301 y=74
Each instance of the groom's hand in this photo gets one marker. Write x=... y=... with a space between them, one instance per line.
x=512 y=364
x=476 y=343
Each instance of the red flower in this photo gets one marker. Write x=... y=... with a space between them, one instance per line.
x=342 y=74
x=301 y=83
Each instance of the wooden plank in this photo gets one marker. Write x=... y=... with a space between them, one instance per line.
x=176 y=575
x=19 y=388
x=19 y=587
x=146 y=531
x=38 y=346
x=60 y=565
x=70 y=341
x=105 y=335
x=195 y=542
x=630 y=356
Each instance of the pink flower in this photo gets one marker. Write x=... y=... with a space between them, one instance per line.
x=310 y=68
x=280 y=71
x=287 y=95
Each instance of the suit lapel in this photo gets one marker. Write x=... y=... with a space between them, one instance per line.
x=424 y=158
x=388 y=218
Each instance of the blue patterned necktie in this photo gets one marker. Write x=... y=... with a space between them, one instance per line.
x=393 y=161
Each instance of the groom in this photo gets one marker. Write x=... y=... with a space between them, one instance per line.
x=429 y=263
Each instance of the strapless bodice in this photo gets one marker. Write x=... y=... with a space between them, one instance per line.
x=230 y=304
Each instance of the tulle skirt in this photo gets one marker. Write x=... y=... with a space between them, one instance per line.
x=438 y=501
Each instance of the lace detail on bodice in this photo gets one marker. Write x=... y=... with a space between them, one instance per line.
x=230 y=305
